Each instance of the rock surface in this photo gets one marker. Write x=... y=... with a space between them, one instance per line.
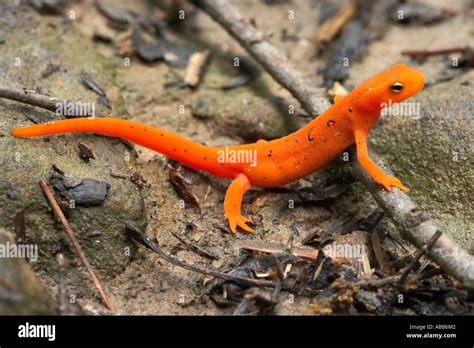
x=26 y=294
x=24 y=162
x=432 y=153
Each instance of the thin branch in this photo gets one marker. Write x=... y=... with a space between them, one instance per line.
x=333 y=25
x=416 y=226
x=269 y=56
x=413 y=223
x=74 y=241
x=435 y=51
x=52 y=104
x=425 y=249
x=195 y=248
x=379 y=283
x=141 y=238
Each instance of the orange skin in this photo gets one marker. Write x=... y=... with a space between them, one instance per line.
x=278 y=162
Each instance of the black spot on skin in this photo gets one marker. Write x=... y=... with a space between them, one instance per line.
x=131 y=127
x=310 y=138
x=174 y=150
x=205 y=158
x=144 y=129
x=264 y=178
x=185 y=150
x=305 y=158
x=162 y=134
x=350 y=109
x=269 y=153
x=330 y=123
x=279 y=167
x=297 y=164
x=296 y=140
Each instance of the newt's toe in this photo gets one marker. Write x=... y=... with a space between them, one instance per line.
x=390 y=181
x=239 y=221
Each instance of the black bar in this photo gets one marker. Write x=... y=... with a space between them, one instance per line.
x=314 y=330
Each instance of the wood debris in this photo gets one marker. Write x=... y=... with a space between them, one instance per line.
x=333 y=25
x=304 y=253
x=196 y=66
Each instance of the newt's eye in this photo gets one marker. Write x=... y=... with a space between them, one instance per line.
x=397 y=87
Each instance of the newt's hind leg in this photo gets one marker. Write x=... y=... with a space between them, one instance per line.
x=233 y=202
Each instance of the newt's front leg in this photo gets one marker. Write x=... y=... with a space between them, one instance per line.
x=370 y=167
x=233 y=202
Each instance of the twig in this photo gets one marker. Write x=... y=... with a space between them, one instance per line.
x=379 y=283
x=141 y=238
x=270 y=57
x=435 y=51
x=466 y=60
x=206 y=195
x=294 y=233
x=309 y=254
x=280 y=272
x=425 y=249
x=118 y=175
x=75 y=242
x=398 y=205
x=332 y=26
x=89 y=83
x=377 y=247
x=52 y=104
x=195 y=248
x=281 y=279
x=416 y=226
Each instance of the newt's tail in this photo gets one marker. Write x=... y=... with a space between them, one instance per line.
x=189 y=153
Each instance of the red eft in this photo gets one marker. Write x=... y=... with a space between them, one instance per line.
x=269 y=163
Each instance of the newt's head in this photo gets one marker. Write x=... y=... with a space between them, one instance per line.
x=391 y=86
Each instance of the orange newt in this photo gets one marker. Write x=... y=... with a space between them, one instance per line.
x=269 y=163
